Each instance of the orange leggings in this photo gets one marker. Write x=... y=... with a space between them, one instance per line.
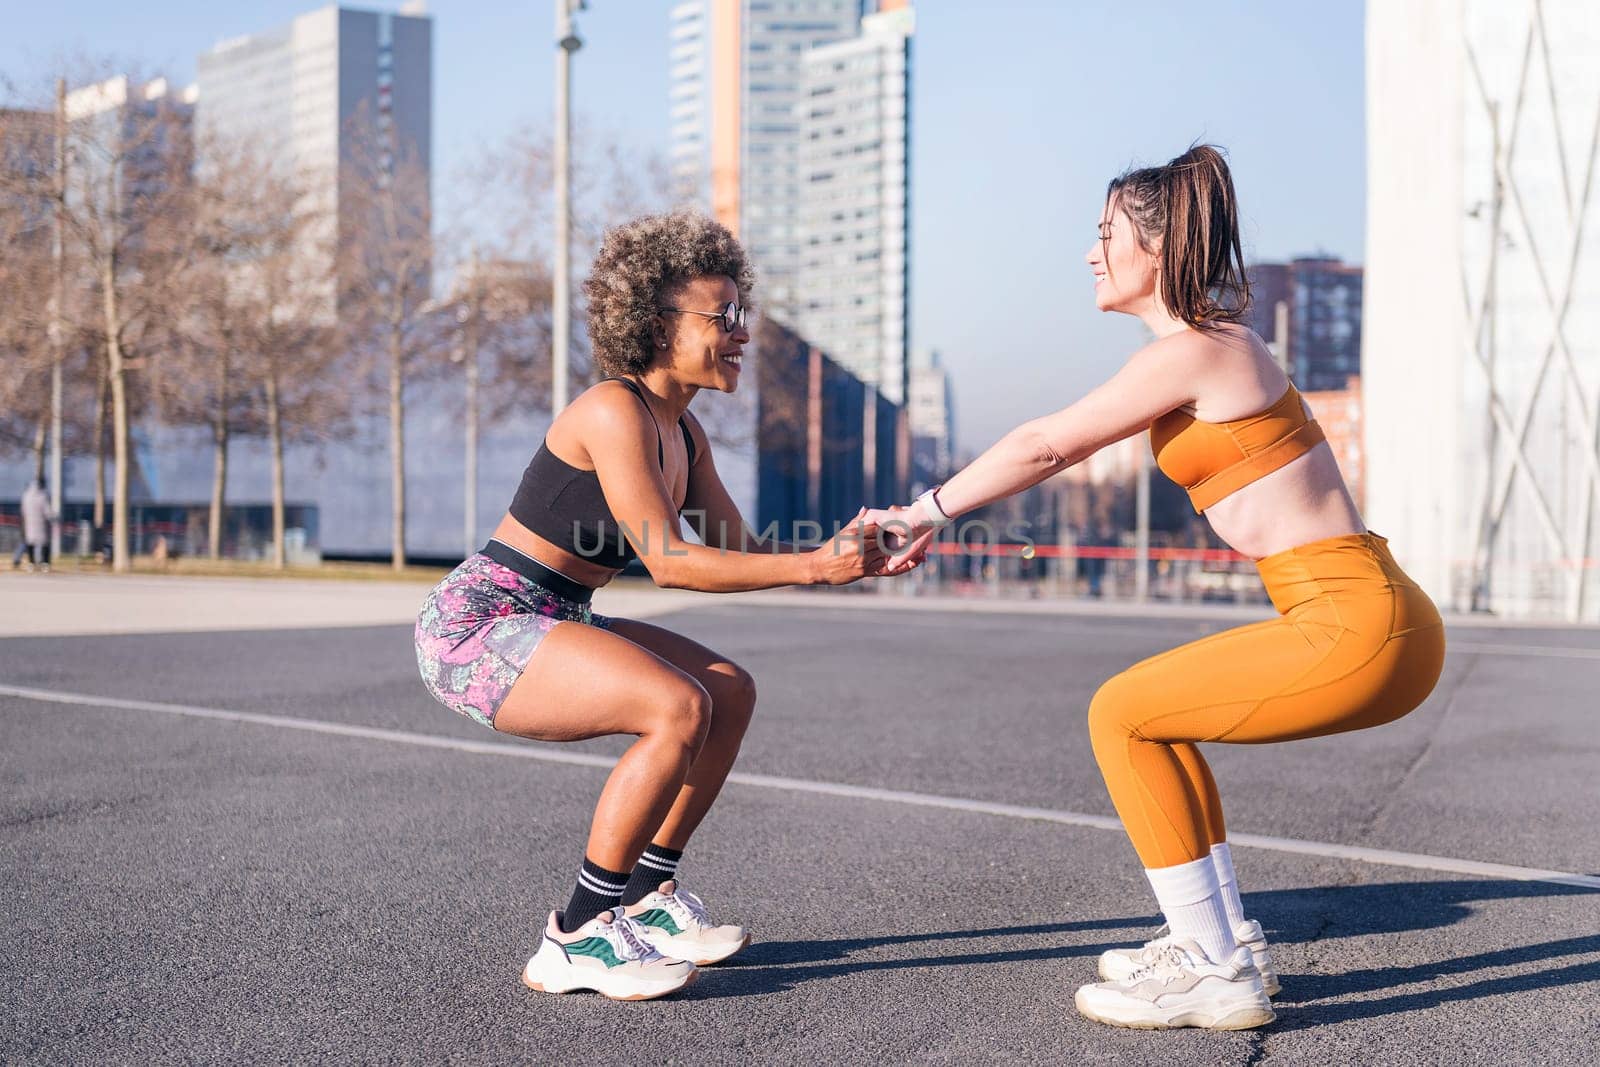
x=1356 y=644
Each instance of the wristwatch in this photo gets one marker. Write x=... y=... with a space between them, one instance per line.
x=931 y=508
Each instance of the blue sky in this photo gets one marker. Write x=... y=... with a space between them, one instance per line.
x=1022 y=109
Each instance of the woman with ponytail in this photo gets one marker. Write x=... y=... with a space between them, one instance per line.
x=1356 y=644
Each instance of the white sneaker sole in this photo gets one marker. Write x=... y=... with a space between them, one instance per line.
x=1109 y=970
x=1245 y=1013
x=678 y=948
x=610 y=986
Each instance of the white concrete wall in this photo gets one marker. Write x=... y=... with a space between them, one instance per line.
x=1414 y=343
x=1481 y=418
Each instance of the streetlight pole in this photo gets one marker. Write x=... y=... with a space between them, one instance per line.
x=567 y=42
x=1141 y=537
x=57 y=311
x=474 y=311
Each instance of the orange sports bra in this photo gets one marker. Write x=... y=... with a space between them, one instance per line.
x=1213 y=459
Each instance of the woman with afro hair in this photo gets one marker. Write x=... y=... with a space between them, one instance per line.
x=509 y=639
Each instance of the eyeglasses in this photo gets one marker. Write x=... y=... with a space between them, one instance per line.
x=729 y=318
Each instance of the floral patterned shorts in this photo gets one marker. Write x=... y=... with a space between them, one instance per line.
x=479 y=628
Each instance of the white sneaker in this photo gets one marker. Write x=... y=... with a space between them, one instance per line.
x=675 y=921
x=1182 y=987
x=605 y=954
x=1117 y=963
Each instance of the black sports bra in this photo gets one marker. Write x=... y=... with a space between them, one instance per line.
x=565 y=505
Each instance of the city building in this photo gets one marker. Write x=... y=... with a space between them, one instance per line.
x=330 y=91
x=28 y=163
x=736 y=73
x=855 y=182
x=790 y=123
x=1309 y=312
x=931 y=416
x=145 y=130
x=1270 y=297
x=1481 y=340
x=812 y=465
x=689 y=104
x=333 y=89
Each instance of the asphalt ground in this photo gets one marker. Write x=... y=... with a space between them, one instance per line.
x=183 y=888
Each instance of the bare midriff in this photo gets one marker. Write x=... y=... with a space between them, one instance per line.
x=1303 y=501
x=524 y=540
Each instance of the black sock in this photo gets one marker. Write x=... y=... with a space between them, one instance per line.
x=654 y=867
x=598 y=890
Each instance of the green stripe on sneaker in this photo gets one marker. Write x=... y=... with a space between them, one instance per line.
x=598 y=947
x=661 y=919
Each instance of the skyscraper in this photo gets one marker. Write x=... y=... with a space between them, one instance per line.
x=1322 y=342
x=929 y=411
x=854 y=204
x=790 y=123
x=1269 y=308
x=1481 y=360
x=736 y=70
x=1325 y=328
x=689 y=99
x=331 y=85
x=331 y=91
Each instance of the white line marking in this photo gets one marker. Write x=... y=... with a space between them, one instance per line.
x=1521 y=650
x=546 y=754
x=908 y=620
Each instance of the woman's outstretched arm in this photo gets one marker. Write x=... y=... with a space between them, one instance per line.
x=710 y=509
x=1158 y=378
x=620 y=438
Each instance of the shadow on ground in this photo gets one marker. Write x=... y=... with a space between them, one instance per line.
x=1291 y=916
x=1304 y=915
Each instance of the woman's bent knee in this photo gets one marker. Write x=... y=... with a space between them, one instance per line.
x=735 y=696
x=1109 y=711
x=685 y=714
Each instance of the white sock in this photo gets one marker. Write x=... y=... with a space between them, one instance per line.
x=1191 y=900
x=1222 y=860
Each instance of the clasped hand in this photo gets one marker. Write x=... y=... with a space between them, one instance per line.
x=905 y=544
x=876 y=543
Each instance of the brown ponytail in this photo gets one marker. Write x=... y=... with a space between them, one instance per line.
x=1190 y=207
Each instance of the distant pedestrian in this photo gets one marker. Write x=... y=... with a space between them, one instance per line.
x=1095 y=565
x=36 y=520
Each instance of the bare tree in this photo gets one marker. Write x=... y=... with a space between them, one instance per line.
x=280 y=305
x=125 y=210
x=385 y=277
x=102 y=417
x=252 y=340
x=506 y=196
x=503 y=305
x=292 y=355
x=499 y=311
x=243 y=209
x=32 y=336
x=27 y=150
x=506 y=193
x=213 y=394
